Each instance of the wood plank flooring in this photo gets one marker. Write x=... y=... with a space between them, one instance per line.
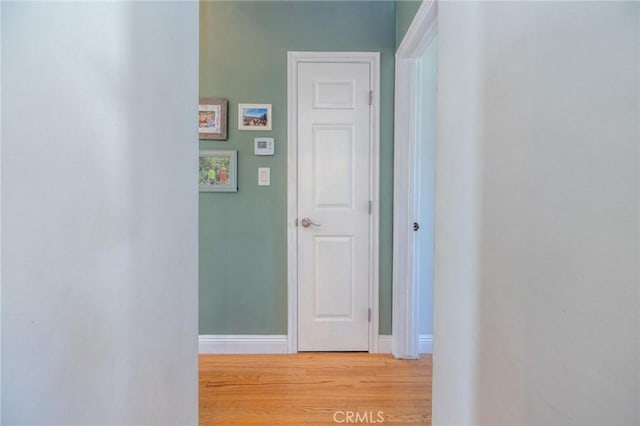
x=314 y=389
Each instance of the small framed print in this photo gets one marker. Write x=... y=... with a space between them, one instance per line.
x=254 y=117
x=212 y=118
x=218 y=170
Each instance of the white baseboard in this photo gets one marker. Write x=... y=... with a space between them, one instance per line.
x=425 y=344
x=243 y=344
x=384 y=344
x=277 y=344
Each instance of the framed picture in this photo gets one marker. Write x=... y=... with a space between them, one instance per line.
x=212 y=118
x=254 y=117
x=218 y=170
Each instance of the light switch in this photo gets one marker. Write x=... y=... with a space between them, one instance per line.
x=264 y=176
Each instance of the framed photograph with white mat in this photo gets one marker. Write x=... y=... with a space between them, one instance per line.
x=212 y=118
x=254 y=117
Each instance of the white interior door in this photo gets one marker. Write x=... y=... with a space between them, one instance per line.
x=333 y=206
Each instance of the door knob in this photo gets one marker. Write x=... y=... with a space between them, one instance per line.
x=416 y=226
x=306 y=222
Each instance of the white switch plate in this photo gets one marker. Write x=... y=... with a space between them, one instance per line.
x=264 y=176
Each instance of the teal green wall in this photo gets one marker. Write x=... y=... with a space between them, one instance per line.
x=406 y=10
x=243 y=57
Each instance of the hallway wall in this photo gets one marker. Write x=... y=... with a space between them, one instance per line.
x=536 y=290
x=99 y=213
x=405 y=12
x=243 y=55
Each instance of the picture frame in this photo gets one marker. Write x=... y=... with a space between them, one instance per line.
x=218 y=170
x=254 y=117
x=212 y=118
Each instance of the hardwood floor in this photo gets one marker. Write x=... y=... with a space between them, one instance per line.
x=314 y=389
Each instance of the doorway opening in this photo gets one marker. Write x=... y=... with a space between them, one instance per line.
x=414 y=186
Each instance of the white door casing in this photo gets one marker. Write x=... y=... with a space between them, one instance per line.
x=421 y=32
x=333 y=182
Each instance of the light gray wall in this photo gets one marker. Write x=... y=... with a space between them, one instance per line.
x=457 y=215
x=0 y=218
x=99 y=213
x=545 y=97
x=427 y=150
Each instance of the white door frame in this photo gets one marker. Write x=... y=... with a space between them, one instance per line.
x=407 y=106
x=293 y=59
